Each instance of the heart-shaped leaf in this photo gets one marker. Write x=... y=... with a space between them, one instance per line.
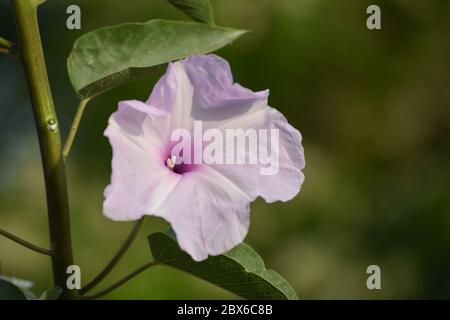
x=9 y=291
x=240 y=270
x=107 y=57
x=199 y=10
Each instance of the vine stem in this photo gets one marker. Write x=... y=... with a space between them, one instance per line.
x=46 y=122
x=74 y=127
x=25 y=243
x=122 y=250
x=122 y=281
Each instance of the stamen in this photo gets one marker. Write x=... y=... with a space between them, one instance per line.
x=171 y=162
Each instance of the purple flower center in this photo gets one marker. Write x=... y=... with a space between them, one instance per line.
x=180 y=168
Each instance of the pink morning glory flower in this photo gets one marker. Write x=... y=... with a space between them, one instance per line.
x=203 y=189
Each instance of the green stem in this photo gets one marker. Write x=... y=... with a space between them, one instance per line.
x=25 y=243
x=110 y=266
x=74 y=127
x=122 y=281
x=49 y=140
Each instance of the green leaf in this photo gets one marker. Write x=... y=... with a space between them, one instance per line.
x=9 y=291
x=29 y=295
x=199 y=10
x=51 y=294
x=107 y=57
x=240 y=270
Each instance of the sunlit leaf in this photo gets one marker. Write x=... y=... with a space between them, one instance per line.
x=51 y=294
x=199 y=10
x=107 y=57
x=240 y=270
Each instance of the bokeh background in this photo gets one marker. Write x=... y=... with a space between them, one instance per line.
x=374 y=111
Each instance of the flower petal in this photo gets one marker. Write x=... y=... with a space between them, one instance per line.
x=173 y=94
x=213 y=83
x=208 y=213
x=286 y=182
x=137 y=133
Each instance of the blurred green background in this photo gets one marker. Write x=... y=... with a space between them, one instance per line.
x=374 y=111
